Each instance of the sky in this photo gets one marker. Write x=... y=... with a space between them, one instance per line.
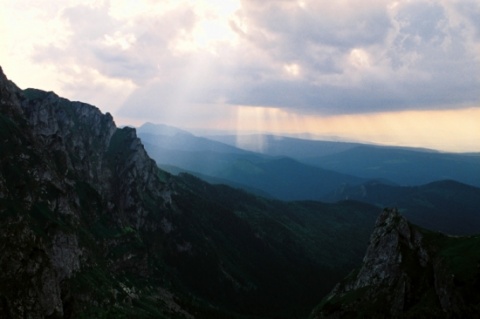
x=389 y=72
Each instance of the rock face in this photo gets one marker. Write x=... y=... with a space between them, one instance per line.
x=392 y=238
x=405 y=274
x=66 y=165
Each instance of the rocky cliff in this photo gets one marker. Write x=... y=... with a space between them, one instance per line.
x=408 y=272
x=64 y=167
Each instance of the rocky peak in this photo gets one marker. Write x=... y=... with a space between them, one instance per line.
x=71 y=128
x=404 y=275
x=392 y=238
x=394 y=245
x=9 y=99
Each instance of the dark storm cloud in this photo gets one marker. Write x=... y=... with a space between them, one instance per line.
x=318 y=24
x=419 y=58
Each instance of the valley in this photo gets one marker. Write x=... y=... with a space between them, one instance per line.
x=91 y=227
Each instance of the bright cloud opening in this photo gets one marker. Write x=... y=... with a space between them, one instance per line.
x=292 y=69
x=212 y=29
x=359 y=58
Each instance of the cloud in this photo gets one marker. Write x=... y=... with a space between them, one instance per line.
x=313 y=57
x=385 y=56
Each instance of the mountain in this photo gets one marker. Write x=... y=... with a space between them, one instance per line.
x=403 y=166
x=171 y=138
x=279 y=177
x=275 y=145
x=90 y=227
x=447 y=206
x=161 y=129
x=409 y=272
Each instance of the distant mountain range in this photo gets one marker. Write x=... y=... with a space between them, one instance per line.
x=297 y=169
x=280 y=177
x=273 y=145
x=405 y=167
x=402 y=165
